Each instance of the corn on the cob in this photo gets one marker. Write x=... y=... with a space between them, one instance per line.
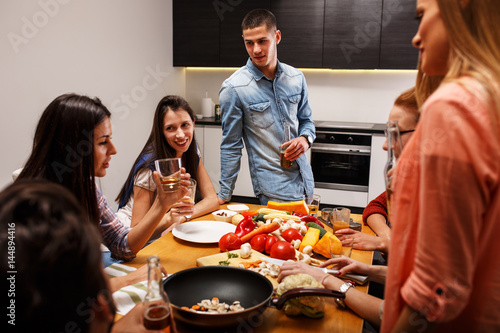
x=266 y=211
x=284 y=217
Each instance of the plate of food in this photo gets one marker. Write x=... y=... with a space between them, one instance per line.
x=203 y=231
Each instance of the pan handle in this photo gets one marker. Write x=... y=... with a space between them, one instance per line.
x=278 y=302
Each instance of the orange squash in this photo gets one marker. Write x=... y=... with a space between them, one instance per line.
x=328 y=244
x=294 y=206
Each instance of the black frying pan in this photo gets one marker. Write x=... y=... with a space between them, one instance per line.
x=229 y=284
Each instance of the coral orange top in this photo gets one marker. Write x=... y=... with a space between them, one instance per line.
x=446 y=216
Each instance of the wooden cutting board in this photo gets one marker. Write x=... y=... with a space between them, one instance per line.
x=214 y=259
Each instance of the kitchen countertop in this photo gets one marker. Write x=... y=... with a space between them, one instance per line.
x=341 y=126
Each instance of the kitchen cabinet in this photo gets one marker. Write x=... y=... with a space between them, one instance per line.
x=301 y=32
x=352 y=34
x=398 y=28
x=340 y=34
x=196 y=33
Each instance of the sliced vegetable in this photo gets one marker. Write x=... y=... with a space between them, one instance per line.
x=229 y=242
x=265 y=229
x=295 y=206
x=245 y=226
x=282 y=250
x=329 y=244
x=310 y=238
x=317 y=226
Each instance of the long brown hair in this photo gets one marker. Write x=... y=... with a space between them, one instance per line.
x=58 y=255
x=157 y=147
x=63 y=147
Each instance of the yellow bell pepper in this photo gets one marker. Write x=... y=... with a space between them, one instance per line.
x=310 y=238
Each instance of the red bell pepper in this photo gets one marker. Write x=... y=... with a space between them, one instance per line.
x=245 y=226
x=310 y=218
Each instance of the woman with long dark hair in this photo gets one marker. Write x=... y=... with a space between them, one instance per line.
x=72 y=146
x=172 y=135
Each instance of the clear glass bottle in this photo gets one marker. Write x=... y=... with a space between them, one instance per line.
x=286 y=137
x=156 y=304
x=394 y=148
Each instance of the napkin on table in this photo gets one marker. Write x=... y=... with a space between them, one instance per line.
x=127 y=297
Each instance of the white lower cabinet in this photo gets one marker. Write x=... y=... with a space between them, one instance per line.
x=210 y=152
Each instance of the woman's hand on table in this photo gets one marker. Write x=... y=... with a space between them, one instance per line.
x=359 y=240
x=347 y=265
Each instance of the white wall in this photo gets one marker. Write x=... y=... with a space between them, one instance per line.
x=99 y=48
x=335 y=95
x=109 y=49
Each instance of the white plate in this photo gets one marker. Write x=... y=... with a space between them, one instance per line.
x=203 y=231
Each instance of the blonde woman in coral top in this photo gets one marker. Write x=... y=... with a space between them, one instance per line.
x=445 y=211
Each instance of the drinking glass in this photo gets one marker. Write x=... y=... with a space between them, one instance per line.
x=341 y=217
x=313 y=203
x=169 y=171
x=394 y=148
x=192 y=193
x=286 y=137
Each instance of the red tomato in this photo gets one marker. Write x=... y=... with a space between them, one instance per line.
x=229 y=242
x=291 y=234
x=258 y=242
x=282 y=250
x=270 y=242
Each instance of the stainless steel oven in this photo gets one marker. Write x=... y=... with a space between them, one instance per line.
x=341 y=160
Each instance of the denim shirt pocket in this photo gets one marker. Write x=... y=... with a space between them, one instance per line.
x=261 y=114
x=293 y=102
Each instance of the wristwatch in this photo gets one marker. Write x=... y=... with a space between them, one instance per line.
x=343 y=289
x=308 y=138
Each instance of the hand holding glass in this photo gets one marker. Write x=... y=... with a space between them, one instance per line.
x=169 y=171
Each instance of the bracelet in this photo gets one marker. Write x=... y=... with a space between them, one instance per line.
x=324 y=278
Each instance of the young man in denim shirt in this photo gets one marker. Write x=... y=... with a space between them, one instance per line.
x=256 y=102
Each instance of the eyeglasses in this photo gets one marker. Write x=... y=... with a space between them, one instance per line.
x=401 y=132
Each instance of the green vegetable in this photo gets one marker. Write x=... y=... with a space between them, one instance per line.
x=229 y=256
x=322 y=231
x=259 y=217
x=310 y=306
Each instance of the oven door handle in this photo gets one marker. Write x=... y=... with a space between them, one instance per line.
x=348 y=151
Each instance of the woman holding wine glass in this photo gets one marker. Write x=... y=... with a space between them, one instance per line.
x=172 y=135
x=72 y=146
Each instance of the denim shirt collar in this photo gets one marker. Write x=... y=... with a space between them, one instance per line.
x=257 y=74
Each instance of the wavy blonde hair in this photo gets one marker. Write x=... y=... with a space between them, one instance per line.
x=473 y=29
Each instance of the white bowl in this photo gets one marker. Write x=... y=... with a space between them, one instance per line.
x=238 y=208
x=224 y=215
x=199 y=116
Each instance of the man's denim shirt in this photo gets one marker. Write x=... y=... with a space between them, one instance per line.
x=254 y=110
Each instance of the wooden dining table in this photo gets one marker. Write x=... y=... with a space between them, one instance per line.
x=176 y=255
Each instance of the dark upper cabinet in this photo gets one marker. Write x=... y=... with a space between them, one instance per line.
x=196 y=33
x=352 y=34
x=340 y=34
x=398 y=28
x=232 y=48
x=301 y=32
